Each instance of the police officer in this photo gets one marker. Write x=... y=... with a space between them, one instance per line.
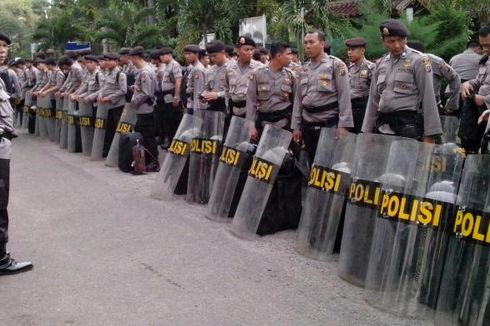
x=56 y=79
x=323 y=96
x=441 y=71
x=401 y=100
x=214 y=90
x=197 y=77
x=238 y=75
x=142 y=102
x=171 y=87
x=270 y=92
x=128 y=69
x=360 y=75
x=112 y=93
x=204 y=58
x=93 y=80
x=7 y=264
x=476 y=93
x=466 y=64
x=159 y=101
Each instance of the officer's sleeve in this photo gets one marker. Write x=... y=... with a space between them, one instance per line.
x=423 y=79
x=15 y=81
x=199 y=85
x=83 y=87
x=59 y=80
x=252 y=98
x=343 y=95
x=177 y=71
x=297 y=117
x=122 y=84
x=454 y=84
x=190 y=89
x=372 y=107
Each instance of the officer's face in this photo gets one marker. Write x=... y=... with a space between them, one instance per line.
x=355 y=54
x=395 y=44
x=245 y=53
x=313 y=45
x=218 y=58
x=190 y=57
x=91 y=65
x=102 y=64
x=284 y=58
x=111 y=64
x=4 y=51
x=485 y=44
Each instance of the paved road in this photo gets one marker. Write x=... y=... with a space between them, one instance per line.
x=105 y=253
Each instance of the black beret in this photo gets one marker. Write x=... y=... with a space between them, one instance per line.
x=155 y=54
x=29 y=61
x=20 y=61
x=165 y=50
x=192 y=48
x=5 y=38
x=111 y=56
x=356 y=42
x=202 y=53
x=215 y=46
x=294 y=51
x=263 y=50
x=91 y=57
x=51 y=61
x=393 y=27
x=39 y=60
x=245 y=40
x=100 y=57
x=230 y=49
x=11 y=62
x=124 y=51
x=137 y=51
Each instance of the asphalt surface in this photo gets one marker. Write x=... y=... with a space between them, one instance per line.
x=105 y=253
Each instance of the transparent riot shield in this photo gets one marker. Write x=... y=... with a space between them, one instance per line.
x=27 y=106
x=176 y=158
x=50 y=119
x=59 y=119
x=464 y=296
x=86 y=121
x=64 y=123
x=125 y=126
x=99 y=132
x=266 y=163
x=42 y=105
x=485 y=142
x=327 y=186
x=204 y=156
x=450 y=125
x=235 y=157
x=409 y=282
x=370 y=159
x=73 y=128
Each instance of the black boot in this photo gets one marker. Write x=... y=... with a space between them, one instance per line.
x=9 y=266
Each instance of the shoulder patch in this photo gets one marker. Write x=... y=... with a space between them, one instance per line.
x=426 y=63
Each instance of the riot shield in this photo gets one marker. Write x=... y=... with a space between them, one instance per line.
x=99 y=131
x=74 y=141
x=408 y=282
x=464 y=296
x=370 y=159
x=58 y=119
x=234 y=158
x=125 y=126
x=262 y=174
x=64 y=123
x=450 y=125
x=27 y=106
x=176 y=158
x=204 y=156
x=328 y=183
x=485 y=142
x=42 y=105
x=86 y=121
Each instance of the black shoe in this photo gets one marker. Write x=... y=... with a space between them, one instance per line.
x=153 y=167
x=9 y=266
x=166 y=143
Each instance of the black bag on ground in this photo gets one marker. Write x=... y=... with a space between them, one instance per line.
x=126 y=144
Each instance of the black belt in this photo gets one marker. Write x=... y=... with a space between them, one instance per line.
x=273 y=116
x=329 y=123
x=217 y=105
x=239 y=104
x=323 y=108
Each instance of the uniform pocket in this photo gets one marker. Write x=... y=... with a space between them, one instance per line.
x=404 y=83
x=264 y=91
x=325 y=84
x=303 y=86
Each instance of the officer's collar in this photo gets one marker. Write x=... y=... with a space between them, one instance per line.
x=402 y=56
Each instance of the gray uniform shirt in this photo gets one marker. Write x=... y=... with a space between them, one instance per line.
x=215 y=81
x=403 y=83
x=236 y=82
x=481 y=84
x=172 y=72
x=91 y=83
x=195 y=86
x=6 y=111
x=360 y=76
x=114 y=87
x=442 y=71
x=41 y=80
x=77 y=76
x=320 y=84
x=144 y=90
x=56 y=79
x=466 y=64
x=270 y=91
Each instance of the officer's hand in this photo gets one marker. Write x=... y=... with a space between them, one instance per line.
x=466 y=90
x=254 y=134
x=429 y=140
x=479 y=100
x=210 y=96
x=341 y=132
x=297 y=136
x=484 y=116
x=175 y=103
